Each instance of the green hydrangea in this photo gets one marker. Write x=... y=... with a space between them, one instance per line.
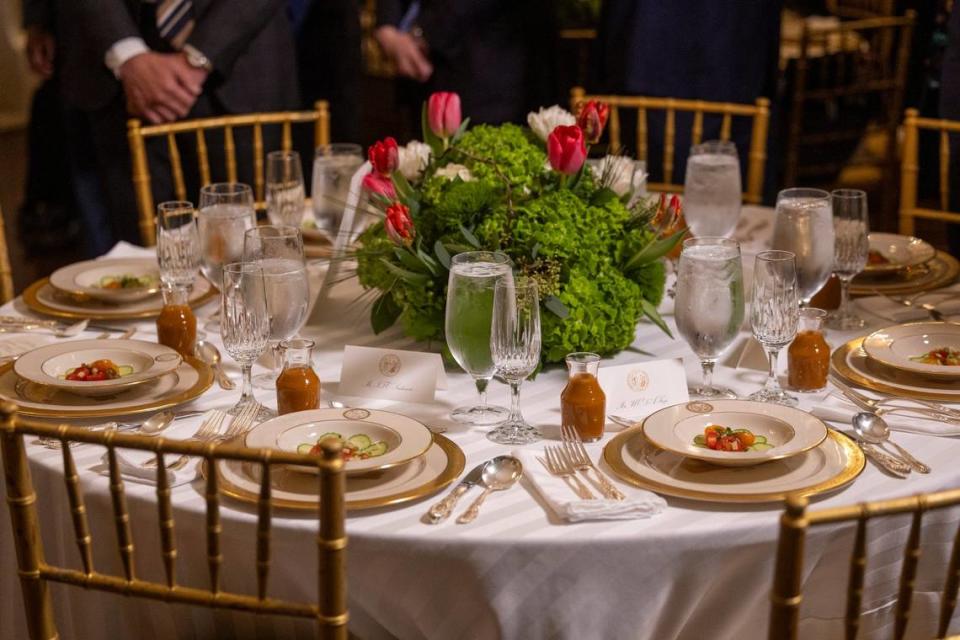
x=517 y=158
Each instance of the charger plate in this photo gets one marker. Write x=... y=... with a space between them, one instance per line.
x=936 y=273
x=442 y=464
x=851 y=364
x=829 y=466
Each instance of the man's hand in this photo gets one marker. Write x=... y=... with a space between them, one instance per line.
x=162 y=87
x=40 y=51
x=406 y=52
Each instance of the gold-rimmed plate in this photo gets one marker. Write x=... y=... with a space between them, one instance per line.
x=43 y=298
x=93 y=278
x=851 y=364
x=188 y=382
x=425 y=476
x=833 y=464
x=902 y=345
x=900 y=252
x=942 y=270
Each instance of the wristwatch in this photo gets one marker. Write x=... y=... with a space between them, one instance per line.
x=196 y=59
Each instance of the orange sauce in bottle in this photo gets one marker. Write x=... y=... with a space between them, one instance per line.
x=298 y=387
x=809 y=354
x=176 y=324
x=583 y=405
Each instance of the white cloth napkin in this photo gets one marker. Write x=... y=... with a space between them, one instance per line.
x=835 y=409
x=125 y=249
x=947 y=300
x=561 y=499
x=131 y=466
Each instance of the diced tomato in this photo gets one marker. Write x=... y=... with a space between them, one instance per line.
x=712 y=440
x=746 y=438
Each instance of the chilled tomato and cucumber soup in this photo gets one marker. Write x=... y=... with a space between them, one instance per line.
x=97 y=371
x=126 y=281
x=944 y=356
x=357 y=447
x=721 y=438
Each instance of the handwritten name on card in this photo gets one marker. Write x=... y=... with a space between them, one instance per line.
x=637 y=390
x=390 y=374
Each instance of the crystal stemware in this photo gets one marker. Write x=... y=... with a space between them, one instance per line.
x=851 y=248
x=333 y=168
x=709 y=304
x=804 y=227
x=774 y=315
x=178 y=244
x=515 y=345
x=244 y=324
x=226 y=212
x=284 y=189
x=712 y=192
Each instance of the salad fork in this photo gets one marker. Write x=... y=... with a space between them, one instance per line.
x=557 y=464
x=580 y=460
x=243 y=421
x=209 y=430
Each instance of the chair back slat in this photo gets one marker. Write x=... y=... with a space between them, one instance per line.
x=78 y=509
x=203 y=158
x=168 y=543
x=641 y=134
x=910 y=208
x=697 y=135
x=230 y=153
x=858 y=567
x=287 y=137
x=258 y=178
x=860 y=8
x=6 y=271
x=787 y=595
x=121 y=515
x=948 y=602
x=908 y=573
x=263 y=532
x=725 y=126
x=176 y=167
x=214 y=528
x=321 y=130
x=614 y=129
x=944 y=170
x=332 y=550
x=669 y=140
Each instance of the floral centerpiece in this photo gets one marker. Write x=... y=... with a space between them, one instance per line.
x=594 y=247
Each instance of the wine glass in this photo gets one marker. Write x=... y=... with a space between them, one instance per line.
x=709 y=305
x=851 y=226
x=284 y=190
x=469 y=313
x=774 y=315
x=804 y=226
x=515 y=345
x=244 y=324
x=226 y=212
x=712 y=193
x=278 y=251
x=178 y=244
x=333 y=168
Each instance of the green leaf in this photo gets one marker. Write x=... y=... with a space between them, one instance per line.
x=468 y=235
x=654 y=250
x=384 y=313
x=556 y=306
x=410 y=260
x=404 y=190
x=405 y=274
x=534 y=251
x=651 y=312
x=460 y=130
x=432 y=139
x=442 y=254
x=427 y=261
x=603 y=196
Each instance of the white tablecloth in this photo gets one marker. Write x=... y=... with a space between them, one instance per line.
x=697 y=570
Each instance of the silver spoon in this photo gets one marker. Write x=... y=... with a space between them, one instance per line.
x=875 y=430
x=498 y=474
x=211 y=355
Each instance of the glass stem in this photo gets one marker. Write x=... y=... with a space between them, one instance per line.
x=707 y=366
x=844 y=296
x=516 y=418
x=246 y=389
x=771 y=384
x=482 y=389
x=277 y=358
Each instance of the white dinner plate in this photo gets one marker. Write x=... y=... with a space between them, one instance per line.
x=901 y=251
x=897 y=346
x=47 y=365
x=406 y=438
x=86 y=278
x=896 y=381
x=789 y=431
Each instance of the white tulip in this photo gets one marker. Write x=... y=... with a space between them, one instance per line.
x=413 y=159
x=544 y=121
x=453 y=170
x=621 y=174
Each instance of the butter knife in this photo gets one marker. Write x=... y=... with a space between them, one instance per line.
x=442 y=510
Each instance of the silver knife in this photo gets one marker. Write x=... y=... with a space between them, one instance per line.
x=442 y=510
x=869 y=404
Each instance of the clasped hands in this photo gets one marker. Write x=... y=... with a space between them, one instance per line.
x=161 y=87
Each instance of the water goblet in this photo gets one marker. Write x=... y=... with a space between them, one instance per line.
x=244 y=324
x=851 y=248
x=226 y=212
x=774 y=315
x=333 y=168
x=804 y=227
x=284 y=188
x=712 y=193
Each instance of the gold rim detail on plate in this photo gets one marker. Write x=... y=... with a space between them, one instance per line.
x=204 y=382
x=456 y=463
x=840 y=368
x=942 y=270
x=35 y=304
x=855 y=462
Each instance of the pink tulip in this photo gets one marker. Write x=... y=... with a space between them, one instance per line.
x=443 y=113
x=379 y=184
x=566 y=149
x=399 y=225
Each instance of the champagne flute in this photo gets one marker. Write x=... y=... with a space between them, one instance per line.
x=709 y=305
x=851 y=226
x=469 y=313
x=178 y=244
x=515 y=345
x=712 y=193
x=226 y=212
x=244 y=324
x=804 y=227
x=774 y=315
x=278 y=251
x=285 y=192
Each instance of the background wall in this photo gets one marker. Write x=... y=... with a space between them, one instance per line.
x=16 y=82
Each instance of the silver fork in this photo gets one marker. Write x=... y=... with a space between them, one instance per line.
x=911 y=302
x=559 y=466
x=209 y=430
x=243 y=421
x=580 y=459
x=932 y=408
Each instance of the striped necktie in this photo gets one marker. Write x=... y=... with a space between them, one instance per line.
x=175 y=21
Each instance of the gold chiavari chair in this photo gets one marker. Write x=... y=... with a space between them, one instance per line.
x=759 y=113
x=138 y=134
x=6 y=271
x=913 y=124
x=787 y=591
x=35 y=572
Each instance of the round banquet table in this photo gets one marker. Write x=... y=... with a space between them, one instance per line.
x=696 y=570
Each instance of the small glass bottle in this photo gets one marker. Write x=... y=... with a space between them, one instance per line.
x=809 y=354
x=583 y=405
x=298 y=387
x=176 y=324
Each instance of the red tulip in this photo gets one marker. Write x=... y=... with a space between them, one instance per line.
x=384 y=156
x=443 y=113
x=399 y=225
x=379 y=184
x=592 y=119
x=566 y=149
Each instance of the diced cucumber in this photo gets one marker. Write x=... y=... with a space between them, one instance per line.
x=375 y=449
x=305 y=448
x=760 y=440
x=360 y=441
x=124 y=370
x=700 y=441
x=330 y=434
x=759 y=446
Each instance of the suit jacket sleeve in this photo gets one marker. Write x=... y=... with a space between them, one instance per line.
x=225 y=29
x=444 y=24
x=37 y=13
x=389 y=12
x=104 y=21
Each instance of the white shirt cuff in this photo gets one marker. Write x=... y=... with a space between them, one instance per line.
x=122 y=50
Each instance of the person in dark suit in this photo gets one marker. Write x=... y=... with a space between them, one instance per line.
x=163 y=61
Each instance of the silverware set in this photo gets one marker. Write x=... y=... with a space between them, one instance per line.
x=568 y=458
x=209 y=431
x=497 y=474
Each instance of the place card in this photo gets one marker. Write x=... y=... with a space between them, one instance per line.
x=391 y=374
x=637 y=390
